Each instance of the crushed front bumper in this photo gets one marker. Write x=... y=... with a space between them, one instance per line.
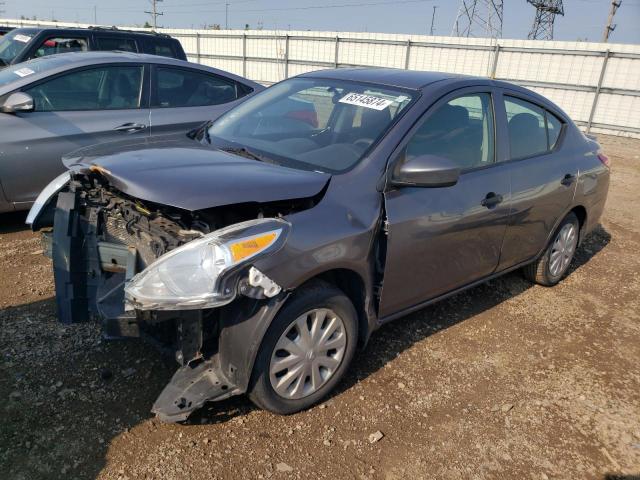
x=215 y=348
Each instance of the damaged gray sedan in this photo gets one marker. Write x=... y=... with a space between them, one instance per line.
x=264 y=247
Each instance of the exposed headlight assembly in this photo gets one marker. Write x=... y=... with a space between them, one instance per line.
x=200 y=274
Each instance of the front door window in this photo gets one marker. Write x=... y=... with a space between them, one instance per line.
x=460 y=130
x=105 y=88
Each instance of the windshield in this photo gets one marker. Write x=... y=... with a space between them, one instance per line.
x=311 y=123
x=11 y=45
x=26 y=69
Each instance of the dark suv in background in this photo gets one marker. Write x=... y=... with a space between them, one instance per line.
x=23 y=44
x=5 y=30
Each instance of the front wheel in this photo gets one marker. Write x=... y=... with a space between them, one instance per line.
x=549 y=269
x=306 y=350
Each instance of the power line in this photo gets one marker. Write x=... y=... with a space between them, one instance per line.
x=154 y=13
x=310 y=7
x=610 y=27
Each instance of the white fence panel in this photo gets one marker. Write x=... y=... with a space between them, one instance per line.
x=597 y=84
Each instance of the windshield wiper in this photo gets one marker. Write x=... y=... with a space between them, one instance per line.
x=201 y=132
x=243 y=152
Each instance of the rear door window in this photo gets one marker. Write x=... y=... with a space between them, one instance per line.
x=178 y=87
x=63 y=44
x=532 y=130
x=116 y=43
x=104 y=88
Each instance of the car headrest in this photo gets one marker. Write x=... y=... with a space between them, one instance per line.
x=524 y=123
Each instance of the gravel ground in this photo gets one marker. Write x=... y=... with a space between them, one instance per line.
x=507 y=380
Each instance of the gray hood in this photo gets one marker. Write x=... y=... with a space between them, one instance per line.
x=183 y=173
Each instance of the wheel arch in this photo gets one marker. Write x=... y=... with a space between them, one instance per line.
x=581 y=213
x=353 y=286
x=245 y=323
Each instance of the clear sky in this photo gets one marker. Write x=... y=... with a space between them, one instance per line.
x=584 y=19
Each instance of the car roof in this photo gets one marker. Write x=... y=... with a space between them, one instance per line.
x=392 y=77
x=67 y=61
x=100 y=30
x=105 y=56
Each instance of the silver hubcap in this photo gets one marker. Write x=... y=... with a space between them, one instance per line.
x=563 y=248
x=307 y=354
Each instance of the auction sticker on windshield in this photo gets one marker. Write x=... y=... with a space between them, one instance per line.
x=24 y=72
x=367 y=101
x=22 y=38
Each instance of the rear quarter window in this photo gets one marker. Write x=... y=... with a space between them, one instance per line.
x=554 y=127
x=162 y=49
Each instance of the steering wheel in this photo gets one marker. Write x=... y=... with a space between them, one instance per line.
x=43 y=96
x=364 y=142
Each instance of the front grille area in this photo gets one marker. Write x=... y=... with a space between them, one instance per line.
x=116 y=231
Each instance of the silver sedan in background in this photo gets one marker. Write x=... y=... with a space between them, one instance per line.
x=54 y=105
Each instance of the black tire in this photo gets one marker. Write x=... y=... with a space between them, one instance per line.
x=319 y=294
x=539 y=271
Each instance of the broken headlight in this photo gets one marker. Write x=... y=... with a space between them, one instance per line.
x=200 y=274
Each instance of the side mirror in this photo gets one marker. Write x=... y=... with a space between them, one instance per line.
x=427 y=171
x=18 y=102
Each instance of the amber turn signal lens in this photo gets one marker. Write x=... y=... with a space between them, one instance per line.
x=250 y=246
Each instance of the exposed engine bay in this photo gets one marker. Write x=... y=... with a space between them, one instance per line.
x=103 y=237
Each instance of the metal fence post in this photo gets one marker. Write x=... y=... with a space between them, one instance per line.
x=407 y=55
x=337 y=51
x=496 y=54
x=592 y=114
x=198 y=46
x=286 y=57
x=244 y=54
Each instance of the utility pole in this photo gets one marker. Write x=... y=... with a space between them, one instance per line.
x=226 y=16
x=95 y=15
x=154 y=13
x=610 y=28
x=433 y=18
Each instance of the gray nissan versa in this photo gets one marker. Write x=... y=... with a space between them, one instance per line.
x=262 y=248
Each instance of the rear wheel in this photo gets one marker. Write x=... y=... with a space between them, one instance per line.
x=549 y=269
x=306 y=350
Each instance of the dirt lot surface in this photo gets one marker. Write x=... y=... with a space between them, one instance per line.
x=507 y=380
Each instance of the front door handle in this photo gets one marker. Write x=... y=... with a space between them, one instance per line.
x=491 y=200
x=130 y=127
x=568 y=179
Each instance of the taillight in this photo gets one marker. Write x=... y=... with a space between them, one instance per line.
x=604 y=159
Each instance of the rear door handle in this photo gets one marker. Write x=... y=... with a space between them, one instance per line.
x=568 y=179
x=130 y=127
x=491 y=200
